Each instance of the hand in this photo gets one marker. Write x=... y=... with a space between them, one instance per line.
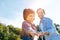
x=31 y=34
x=41 y=34
x=37 y=34
x=46 y=33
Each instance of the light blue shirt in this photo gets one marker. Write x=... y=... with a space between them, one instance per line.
x=49 y=27
x=41 y=28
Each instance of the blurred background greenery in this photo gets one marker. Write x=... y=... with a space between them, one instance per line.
x=10 y=32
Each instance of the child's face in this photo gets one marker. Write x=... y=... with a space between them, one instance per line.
x=31 y=17
x=40 y=13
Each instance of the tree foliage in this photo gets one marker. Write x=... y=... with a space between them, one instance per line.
x=9 y=32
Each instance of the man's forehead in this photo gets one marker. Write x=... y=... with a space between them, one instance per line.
x=40 y=10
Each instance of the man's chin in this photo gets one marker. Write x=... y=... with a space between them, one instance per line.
x=40 y=17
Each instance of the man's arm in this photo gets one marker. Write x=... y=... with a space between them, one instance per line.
x=50 y=28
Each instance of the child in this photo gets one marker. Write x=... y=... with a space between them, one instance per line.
x=29 y=29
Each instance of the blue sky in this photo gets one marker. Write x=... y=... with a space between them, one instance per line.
x=11 y=11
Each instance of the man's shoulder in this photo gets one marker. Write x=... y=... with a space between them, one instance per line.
x=47 y=19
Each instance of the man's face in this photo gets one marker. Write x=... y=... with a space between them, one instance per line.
x=40 y=13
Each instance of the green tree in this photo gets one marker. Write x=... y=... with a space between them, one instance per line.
x=57 y=27
x=9 y=32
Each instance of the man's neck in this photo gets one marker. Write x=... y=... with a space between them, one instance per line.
x=41 y=19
